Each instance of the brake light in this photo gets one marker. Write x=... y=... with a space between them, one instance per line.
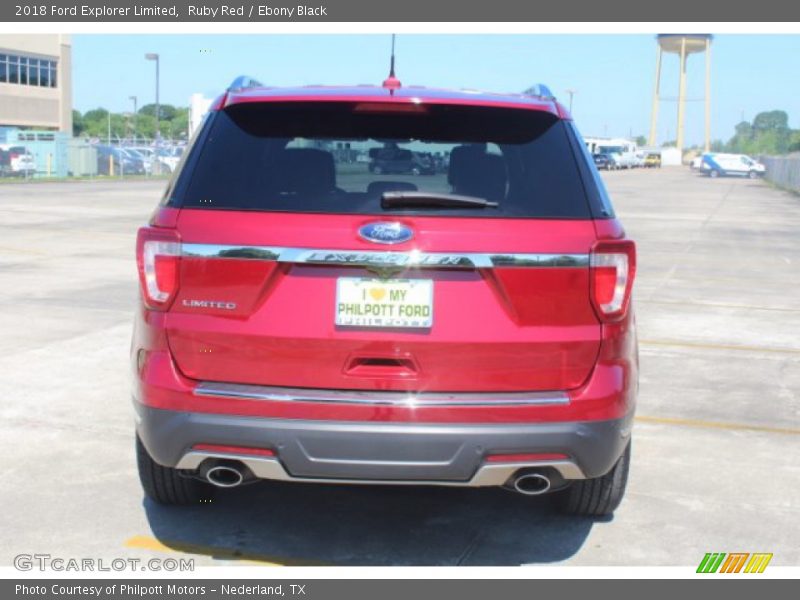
x=613 y=266
x=14 y=155
x=390 y=107
x=158 y=253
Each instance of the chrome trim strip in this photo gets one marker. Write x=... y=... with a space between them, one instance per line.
x=540 y=260
x=378 y=258
x=399 y=399
x=486 y=475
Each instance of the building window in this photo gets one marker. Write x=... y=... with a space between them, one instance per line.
x=25 y=70
x=13 y=69
x=33 y=71
x=44 y=75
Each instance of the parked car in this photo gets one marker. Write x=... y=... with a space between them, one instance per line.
x=137 y=154
x=718 y=164
x=302 y=321
x=653 y=160
x=166 y=163
x=169 y=157
x=603 y=161
x=394 y=160
x=124 y=163
x=16 y=161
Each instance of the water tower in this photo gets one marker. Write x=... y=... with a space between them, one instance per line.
x=683 y=45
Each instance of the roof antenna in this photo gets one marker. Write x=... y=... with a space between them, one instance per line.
x=392 y=83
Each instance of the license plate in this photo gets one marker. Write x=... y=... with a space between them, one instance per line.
x=364 y=302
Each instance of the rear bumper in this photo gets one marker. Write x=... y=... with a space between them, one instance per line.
x=370 y=452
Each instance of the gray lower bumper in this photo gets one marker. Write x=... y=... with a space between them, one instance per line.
x=382 y=452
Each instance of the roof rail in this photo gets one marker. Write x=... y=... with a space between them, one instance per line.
x=539 y=89
x=243 y=82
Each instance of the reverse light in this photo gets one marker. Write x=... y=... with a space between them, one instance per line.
x=613 y=268
x=158 y=254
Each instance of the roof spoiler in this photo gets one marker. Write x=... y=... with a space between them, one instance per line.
x=540 y=90
x=243 y=82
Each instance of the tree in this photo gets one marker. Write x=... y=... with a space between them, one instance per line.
x=180 y=124
x=166 y=112
x=95 y=122
x=773 y=120
x=78 y=125
x=97 y=114
x=794 y=141
x=769 y=133
x=146 y=126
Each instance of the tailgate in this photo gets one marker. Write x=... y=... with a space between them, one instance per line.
x=507 y=300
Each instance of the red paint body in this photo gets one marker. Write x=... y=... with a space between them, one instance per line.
x=505 y=329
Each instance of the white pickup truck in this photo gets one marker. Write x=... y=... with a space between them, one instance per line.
x=623 y=153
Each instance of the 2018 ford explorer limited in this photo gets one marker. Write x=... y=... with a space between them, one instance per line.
x=305 y=319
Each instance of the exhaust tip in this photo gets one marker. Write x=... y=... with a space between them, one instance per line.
x=224 y=476
x=532 y=484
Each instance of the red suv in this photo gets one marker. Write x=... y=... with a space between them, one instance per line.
x=304 y=318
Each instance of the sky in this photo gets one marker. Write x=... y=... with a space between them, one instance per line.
x=612 y=75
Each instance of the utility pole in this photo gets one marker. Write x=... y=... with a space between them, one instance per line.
x=135 y=111
x=571 y=93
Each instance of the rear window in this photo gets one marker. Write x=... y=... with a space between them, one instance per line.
x=344 y=157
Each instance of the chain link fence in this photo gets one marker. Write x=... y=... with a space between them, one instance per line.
x=783 y=171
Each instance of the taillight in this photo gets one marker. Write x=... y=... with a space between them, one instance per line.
x=158 y=253
x=613 y=266
x=14 y=155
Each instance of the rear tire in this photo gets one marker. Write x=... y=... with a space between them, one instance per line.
x=599 y=496
x=165 y=485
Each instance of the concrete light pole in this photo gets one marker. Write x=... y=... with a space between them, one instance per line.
x=135 y=111
x=154 y=56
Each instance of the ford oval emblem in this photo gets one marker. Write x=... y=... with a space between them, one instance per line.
x=386 y=232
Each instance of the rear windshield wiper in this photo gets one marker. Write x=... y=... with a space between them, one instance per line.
x=411 y=199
